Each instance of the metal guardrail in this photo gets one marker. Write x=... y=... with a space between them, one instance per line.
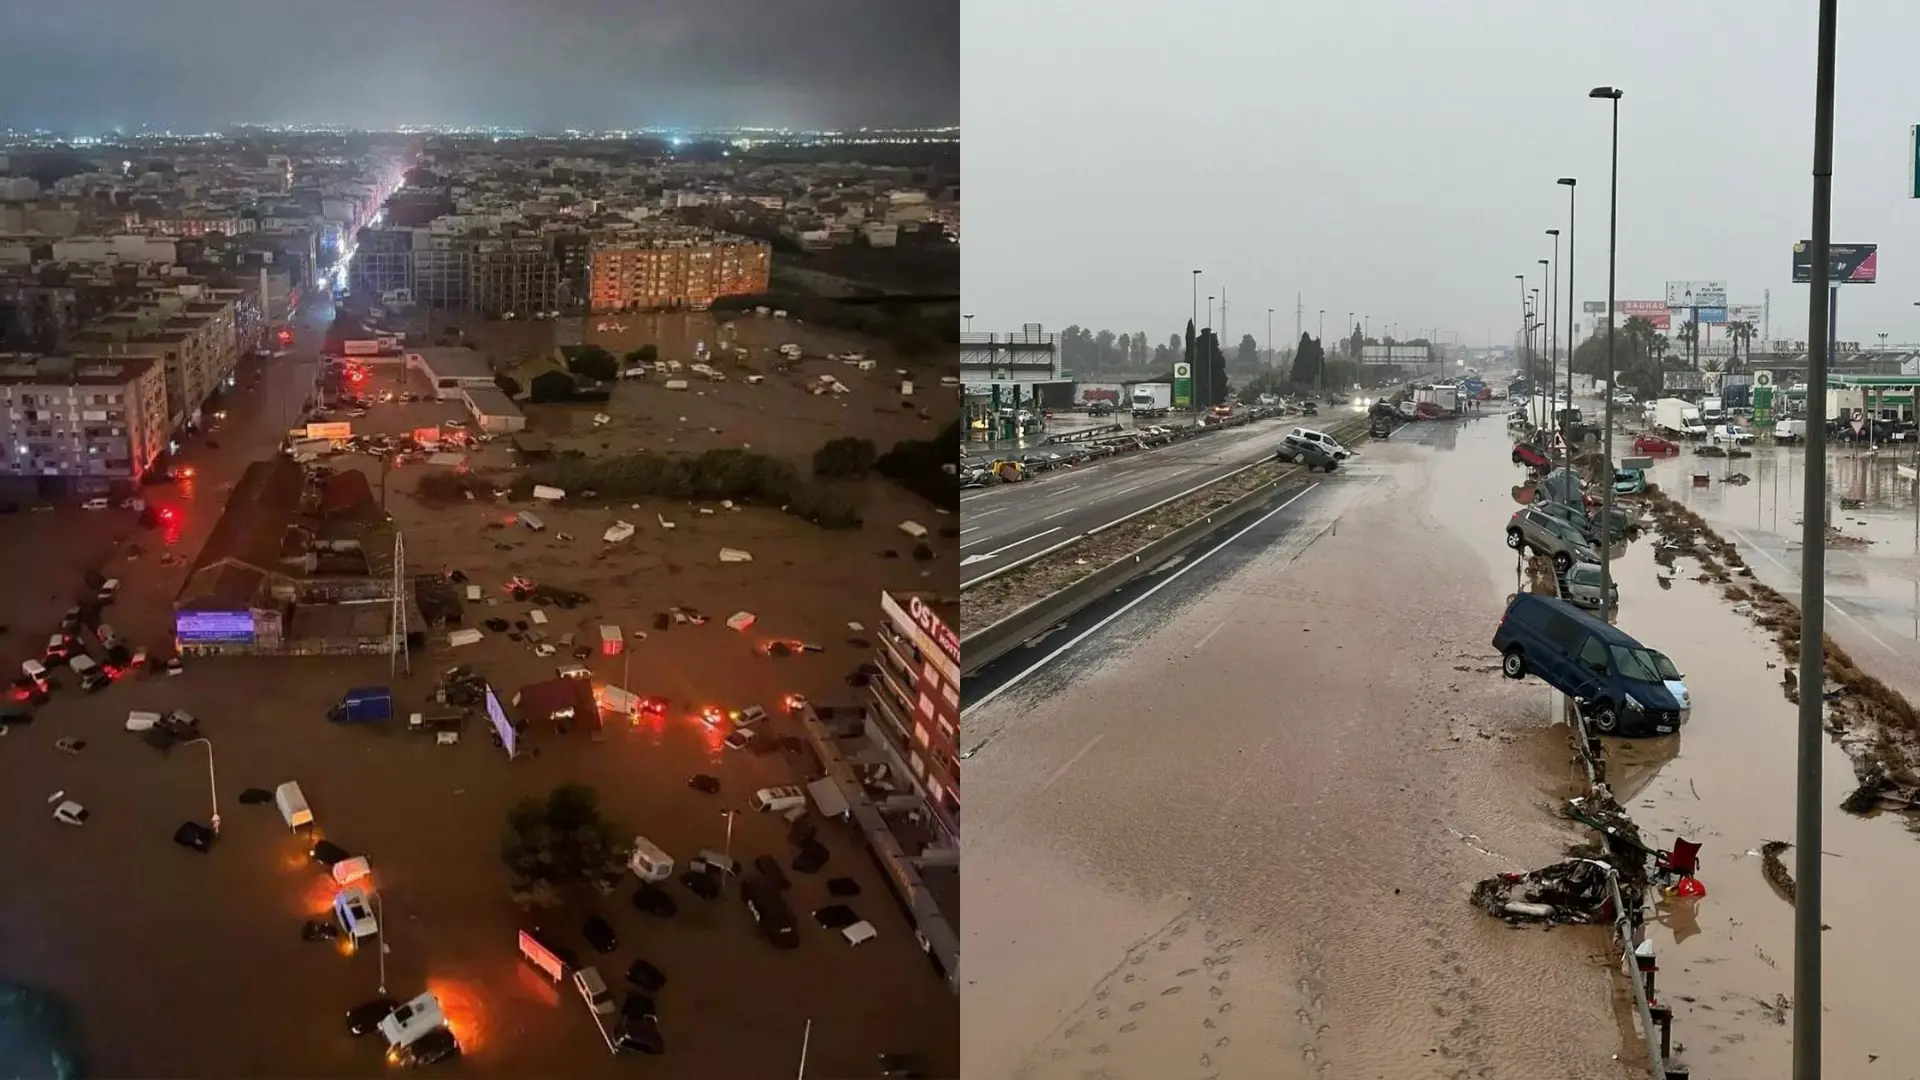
x=991 y=642
x=1627 y=931
x=1356 y=432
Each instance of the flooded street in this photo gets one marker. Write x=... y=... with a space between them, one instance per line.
x=1728 y=780
x=1232 y=832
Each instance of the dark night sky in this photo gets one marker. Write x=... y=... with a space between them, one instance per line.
x=90 y=65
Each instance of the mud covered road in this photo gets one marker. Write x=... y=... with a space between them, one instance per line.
x=1232 y=831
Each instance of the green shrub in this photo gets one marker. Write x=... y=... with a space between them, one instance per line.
x=594 y=362
x=921 y=466
x=845 y=459
x=830 y=506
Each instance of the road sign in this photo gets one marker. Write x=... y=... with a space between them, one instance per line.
x=1847 y=264
x=1696 y=294
x=1858 y=421
x=1762 y=378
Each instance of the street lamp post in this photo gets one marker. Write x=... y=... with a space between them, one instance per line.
x=969 y=321
x=1270 y=354
x=1526 y=354
x=380 y=939
x=1611 y=94
x=1813 y=568
x=1569 y=295
x=213 y=787
x=1553 y=344
x=729 y=815
x=1349 y=330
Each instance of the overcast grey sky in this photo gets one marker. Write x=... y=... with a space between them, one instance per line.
x=95 y=64
x=1398 y=157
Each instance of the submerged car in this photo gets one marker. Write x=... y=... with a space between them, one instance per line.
x=1531 y=456
x=1621 y=686
x=1629 y=481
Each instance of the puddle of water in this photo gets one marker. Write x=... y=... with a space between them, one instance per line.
x=1728 y=781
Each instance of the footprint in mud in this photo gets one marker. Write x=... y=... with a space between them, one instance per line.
x=1136 y=1006
x=1101 y=995
x=1215 y=991
x=1136 y=958
x=1101 y=1013
x=1206 y=1060
x=1208 y=1023
x=1130 y=977
x=1171 y=990
x=1163 y=946
x=1129 y=1026
x=1075 y=1028
x=1103 y=1048
x=1183 y=973
x=1222 y=1041
x=1225 y=1008
x=1305 y=1017
x=1223 y=975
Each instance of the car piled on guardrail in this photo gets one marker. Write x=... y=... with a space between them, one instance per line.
x=979 y=472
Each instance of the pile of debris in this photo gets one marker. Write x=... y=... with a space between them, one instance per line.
x=1574 y=891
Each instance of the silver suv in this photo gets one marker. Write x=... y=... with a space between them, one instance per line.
x=1544 y=534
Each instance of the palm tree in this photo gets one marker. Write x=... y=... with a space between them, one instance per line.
x=1688 y=333
x=1741 y=335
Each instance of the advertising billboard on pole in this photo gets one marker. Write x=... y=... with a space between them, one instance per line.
x=1654 y=311
x=1847 y=264
x=1183 y=385
x=1697 y=294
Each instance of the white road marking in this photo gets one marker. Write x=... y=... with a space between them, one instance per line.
x=975 y=515
x=964 y=532
x=1009 y=547
x=1208 y=636
x=1057 y=513
x=1858 y=625
x=1021 y=676
x=1070 y=763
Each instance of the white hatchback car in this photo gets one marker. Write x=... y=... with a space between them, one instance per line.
x=1323 y=440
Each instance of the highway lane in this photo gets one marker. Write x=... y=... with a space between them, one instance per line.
x=1003 y=524
x=1235 y=848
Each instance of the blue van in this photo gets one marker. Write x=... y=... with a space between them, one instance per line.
x=1628 y=688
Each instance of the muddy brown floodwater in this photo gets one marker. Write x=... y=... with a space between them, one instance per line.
x=1727 y=781
x=1234 y=834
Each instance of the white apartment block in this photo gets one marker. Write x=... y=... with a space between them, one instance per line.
x=79 y=425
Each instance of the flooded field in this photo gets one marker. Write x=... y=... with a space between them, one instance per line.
x=221 y=929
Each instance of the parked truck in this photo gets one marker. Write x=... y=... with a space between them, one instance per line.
x=1711 y=411
x=1151 y=401
x=363 y=705
x=1679 y=417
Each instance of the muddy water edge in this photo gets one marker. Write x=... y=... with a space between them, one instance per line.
x=1728 y=781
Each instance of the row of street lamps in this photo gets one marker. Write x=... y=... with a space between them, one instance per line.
x=1811 y=719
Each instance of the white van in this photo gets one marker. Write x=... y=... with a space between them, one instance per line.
x=34 y=669
x=779 y=799
x=293 y=805
x=648 y=862
x=95 y=504
x=141 y=720
x=593 y=990
x=1321 y=439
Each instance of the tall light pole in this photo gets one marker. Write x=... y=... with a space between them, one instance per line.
x=1813 y=592
x=380 y=941
x=1270 y=353
x=1349 y=331
x=1204 y=364
x=1193 y=347
x=969 y=320
x=1526 y=357
x=1553 y=342
x=1546 y=403
x=1606 y=424
x=729 y=815
x=213 y=787
x=1570 y=294
x=1322 y=335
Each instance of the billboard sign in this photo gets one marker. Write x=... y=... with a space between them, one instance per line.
x=1183 y=385
x=214 y=627
x=1683 y=380
x=501 y=723
x=1697 y=294
x=338 y=430
x=1847 y=264
x=1593 y=307
x=1708 y=316
x=1747 y=313
x=1654 y=311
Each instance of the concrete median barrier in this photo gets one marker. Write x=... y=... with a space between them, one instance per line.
x=990 y=642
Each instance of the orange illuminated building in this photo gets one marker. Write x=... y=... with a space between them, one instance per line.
x=679 y=272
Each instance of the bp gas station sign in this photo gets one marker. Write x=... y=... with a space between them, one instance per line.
x=1762 y=400
x=1183 y=385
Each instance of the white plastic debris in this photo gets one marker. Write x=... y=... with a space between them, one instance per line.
x=548 y=494
x=906 y=388
x=676 y=384
x=537 y=617
x=734 y=555
x=664 y=523
x=856 y=627
x=914 y=529
x=740 y=620
x=601 y=419
x=618 y=532
x=464 y=637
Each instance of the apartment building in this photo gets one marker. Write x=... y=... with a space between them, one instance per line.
x=481 y=271
x=79 y=425
x=196 y=342
x=679 y=271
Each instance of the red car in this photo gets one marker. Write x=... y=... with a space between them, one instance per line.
x=1654 y=444
x=1531 y=456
